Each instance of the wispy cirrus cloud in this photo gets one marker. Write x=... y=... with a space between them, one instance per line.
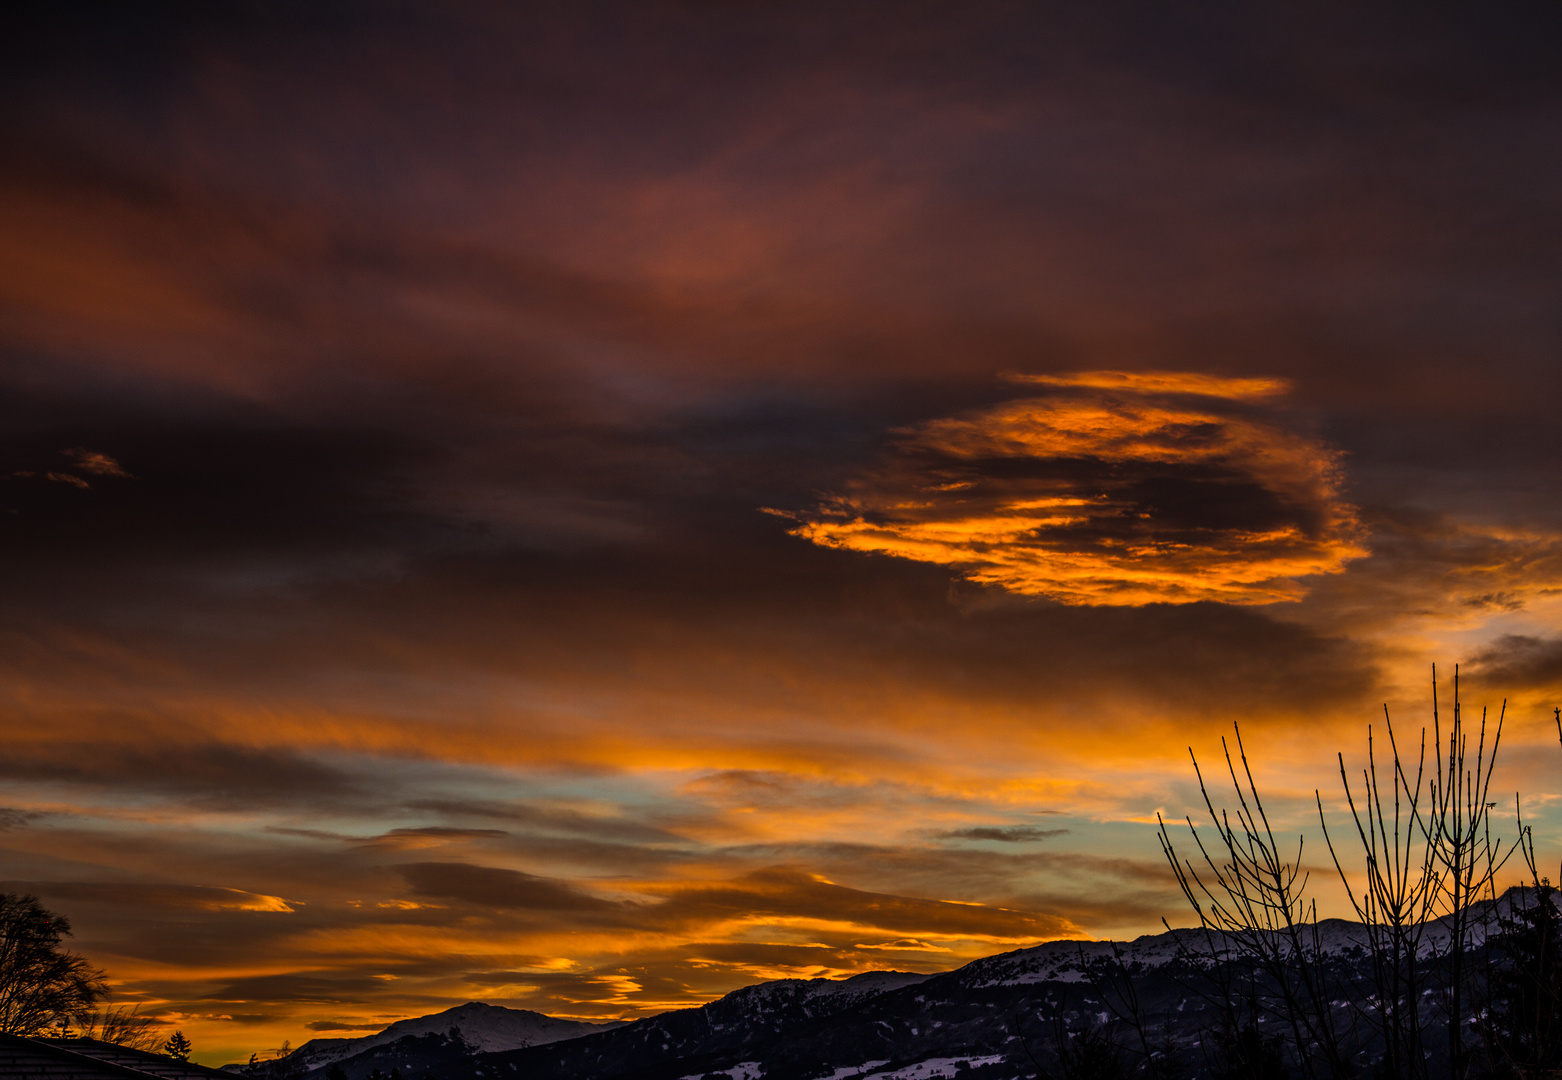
x=1114 y=488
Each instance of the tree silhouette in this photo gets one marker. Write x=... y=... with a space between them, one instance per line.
x=177 y=1046
x=1524 y=1010
x=40 y=982
x=282 y=1065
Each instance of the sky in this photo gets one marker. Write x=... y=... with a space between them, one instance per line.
x=586 y=507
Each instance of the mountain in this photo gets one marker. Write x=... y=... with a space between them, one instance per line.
x=988 y=1020
x=887 y=1025
x=483 y=1028
x=983 y=1021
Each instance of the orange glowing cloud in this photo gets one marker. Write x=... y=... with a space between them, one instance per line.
x=1114 y=489
x=1162 y=382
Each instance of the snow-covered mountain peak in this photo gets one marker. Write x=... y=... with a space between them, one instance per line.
x=483 y=1027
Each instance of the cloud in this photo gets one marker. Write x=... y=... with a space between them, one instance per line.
x=1519 y=662
x=159 y=896
x=491 y=886
x=550 y=819
x=1444 y=567
x=905 y=945
x=1011 y=834
x=306 y=988
x=1162 y=382
x=212 y=773
x=404 y=839
x=66 y=478
x=430 y=836
x=780 y=892
x=96 y=463
x=1116 y=489
x=12 y=817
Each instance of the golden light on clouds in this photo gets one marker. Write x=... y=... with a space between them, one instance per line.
x=1113 y=489
x=386 y=622
x=1162 y=382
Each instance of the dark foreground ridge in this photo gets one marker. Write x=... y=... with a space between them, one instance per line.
x=884 y=1025
x=24 y=1058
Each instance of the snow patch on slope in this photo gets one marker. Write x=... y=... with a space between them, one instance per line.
x=743 y=1070
x=934 y=1067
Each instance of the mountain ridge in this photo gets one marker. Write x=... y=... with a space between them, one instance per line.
x=877 y=1025
x=484 y=1028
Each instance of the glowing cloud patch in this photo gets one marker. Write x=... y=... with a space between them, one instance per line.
x=1163 y=382
x=98 y=464
x=1113 y=489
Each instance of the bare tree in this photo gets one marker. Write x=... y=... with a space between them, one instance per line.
x=41 y=983
x=1468 y=859
x=1400 y=888
x=1425 y=895
x=1246 y=890
x=1522 y=1002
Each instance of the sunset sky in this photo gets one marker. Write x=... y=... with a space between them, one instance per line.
x=586 y=507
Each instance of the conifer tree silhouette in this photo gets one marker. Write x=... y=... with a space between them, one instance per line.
x=177 y=1046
